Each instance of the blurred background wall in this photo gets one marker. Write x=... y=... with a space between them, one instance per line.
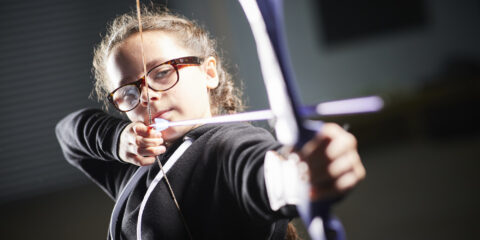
x=421 y=152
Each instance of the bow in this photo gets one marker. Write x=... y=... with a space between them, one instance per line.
x=292 y=129
x=266 y=21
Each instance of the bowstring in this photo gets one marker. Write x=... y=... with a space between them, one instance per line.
x=140 y=30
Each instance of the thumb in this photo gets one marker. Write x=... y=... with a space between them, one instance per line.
x=140 y=129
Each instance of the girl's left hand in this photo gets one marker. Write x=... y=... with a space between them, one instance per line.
x=333 y=161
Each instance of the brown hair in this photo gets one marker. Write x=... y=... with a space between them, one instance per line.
x=226 y=98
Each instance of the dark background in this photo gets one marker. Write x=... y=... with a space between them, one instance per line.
x=421 y=152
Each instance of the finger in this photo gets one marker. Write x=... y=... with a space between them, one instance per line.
x=346 y=182
x=331 y=129
x=360 y=169
x=129 y=133
x=145 y=161
x=140 y=160
x=148 y=142
x=151 y=151
x=314 y=147
x=342 y=164
x=141 y=129
x=340 y=144
x=326 y=175
x=333 y=189
x=350 y=162
x=152 y=133
x=324 y=139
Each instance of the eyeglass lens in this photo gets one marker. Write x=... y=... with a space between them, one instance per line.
x=160 y=78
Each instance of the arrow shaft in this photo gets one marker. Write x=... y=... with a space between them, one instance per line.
x=341 y=107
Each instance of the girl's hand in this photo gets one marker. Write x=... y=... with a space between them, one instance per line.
x=139 y=144
x=333 y=161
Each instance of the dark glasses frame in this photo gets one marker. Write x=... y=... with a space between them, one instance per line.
x=177 y=64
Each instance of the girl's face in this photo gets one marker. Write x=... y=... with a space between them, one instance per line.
x=188 y=99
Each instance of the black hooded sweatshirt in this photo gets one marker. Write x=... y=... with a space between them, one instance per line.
x=218 y=181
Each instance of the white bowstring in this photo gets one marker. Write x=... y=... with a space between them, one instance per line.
x=150 y=121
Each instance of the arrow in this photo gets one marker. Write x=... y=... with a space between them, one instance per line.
x=340 y=107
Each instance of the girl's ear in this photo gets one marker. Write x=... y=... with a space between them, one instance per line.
x=210 y=66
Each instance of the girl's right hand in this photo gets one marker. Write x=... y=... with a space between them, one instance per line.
x=139 y=144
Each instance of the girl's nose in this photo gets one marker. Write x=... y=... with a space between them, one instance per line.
x=144 y=95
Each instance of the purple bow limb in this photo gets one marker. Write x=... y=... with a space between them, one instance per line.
x=266 y=20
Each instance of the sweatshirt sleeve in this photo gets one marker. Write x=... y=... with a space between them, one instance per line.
x=89 y=139
x=242 y=152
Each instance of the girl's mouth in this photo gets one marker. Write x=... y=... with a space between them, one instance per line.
x=162 y=114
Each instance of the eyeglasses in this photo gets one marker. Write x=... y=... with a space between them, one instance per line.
x=161 y=78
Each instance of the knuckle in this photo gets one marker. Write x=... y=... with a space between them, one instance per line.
x=331 y=170
x=362 y=173
x=332 y=128
x=140 y=128
x=143 y=163
x=147 y=161
x=138 y=149
x=352 y=139
x=319 y=136
x=159 y=150
x=138 y=140
x=149 y=151
x=135 y=127
x=136 y=158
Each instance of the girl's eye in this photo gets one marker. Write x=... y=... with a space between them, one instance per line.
x=162 y=74
x=130 y=94
x=126 y=97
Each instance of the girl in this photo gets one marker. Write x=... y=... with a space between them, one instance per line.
x=217 y=186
